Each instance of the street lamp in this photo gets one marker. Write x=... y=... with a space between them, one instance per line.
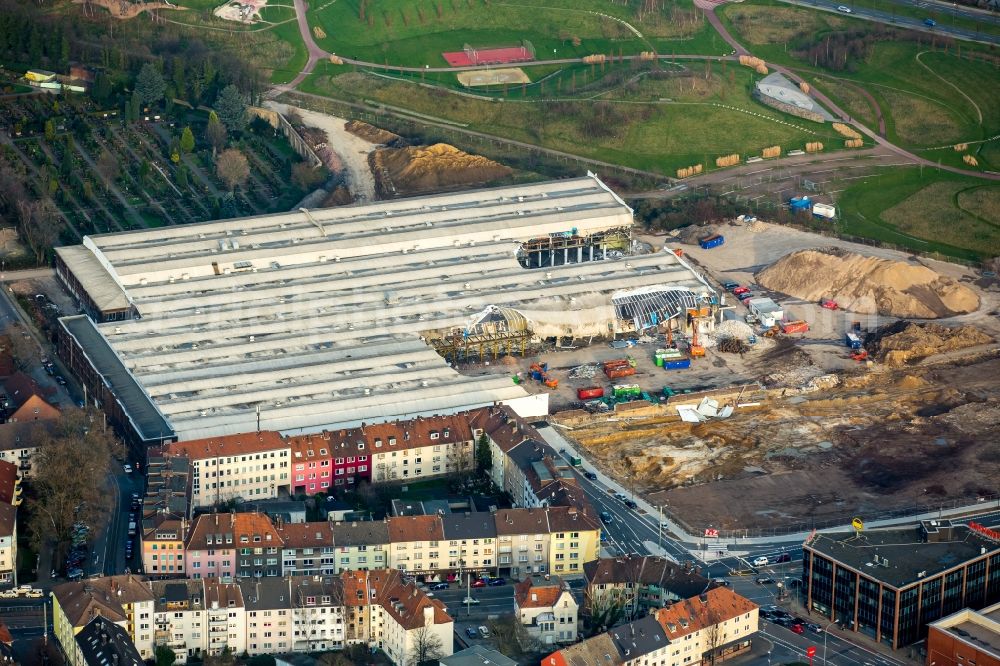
x=826 y=630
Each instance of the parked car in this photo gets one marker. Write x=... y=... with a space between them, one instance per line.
x=813 y=627
x=479 y=582
x=740 y=290
x=497 y=582
x=798 y=628
x=621 y=496
x=22 y=589
x=60 y=380
x=484 y=632
x=34 y=593
x=632 y=504
x=471 y=632
x=724 y=582
x=470 y=601
x=728 y=285
x=8 y=594
x=439 y=586
x=760 y=561
x=127 y=468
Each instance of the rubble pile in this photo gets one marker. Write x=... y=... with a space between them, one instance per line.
x=903 y=342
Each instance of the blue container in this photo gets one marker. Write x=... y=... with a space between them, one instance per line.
x=679 y=364
x=545 y=367
x=536 y=375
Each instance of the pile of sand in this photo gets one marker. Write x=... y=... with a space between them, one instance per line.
x=868 y=285
x=693 y=233
x=371 y=133
x=426 y=168
x=905 y=342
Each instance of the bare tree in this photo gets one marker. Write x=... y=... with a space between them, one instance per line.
x=107 y=167
x=603 y=609
x=715 y=637
x=427 y=648
x=71 y=476
x=232 y=168
x=511 y=638
x=39 y=223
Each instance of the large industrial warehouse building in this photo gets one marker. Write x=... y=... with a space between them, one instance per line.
x=313 y=320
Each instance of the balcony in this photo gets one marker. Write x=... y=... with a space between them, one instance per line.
x=218 y=619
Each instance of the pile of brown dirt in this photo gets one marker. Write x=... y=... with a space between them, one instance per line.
x=426 y=168
x=371 y=133
x=868 y=285
x=695 y=232
x=904 y=342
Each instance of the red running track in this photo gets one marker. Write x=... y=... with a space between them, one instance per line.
x=488 y=56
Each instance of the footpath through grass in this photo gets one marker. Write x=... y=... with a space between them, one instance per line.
x=932 y=94
x=634 y=116
x=926 y=210
x=417 y=32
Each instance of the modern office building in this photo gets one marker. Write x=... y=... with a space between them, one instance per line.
x=967 y=637
x=890 y=584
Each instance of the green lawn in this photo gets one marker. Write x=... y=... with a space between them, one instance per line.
x=927 y=210
x=929 y=97
x=626 y=123
x=416 y=32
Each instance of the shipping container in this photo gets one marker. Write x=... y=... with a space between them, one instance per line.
x=590 y=393
x=852 y=341
x=677 y=364
x=798 y=326
x=617 y=373
x=824 y=210
x=715 y=240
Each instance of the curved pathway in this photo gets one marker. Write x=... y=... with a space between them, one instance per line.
x=316 y=54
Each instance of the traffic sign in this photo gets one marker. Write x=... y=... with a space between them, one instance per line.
x=857 y=524
x=711 y=532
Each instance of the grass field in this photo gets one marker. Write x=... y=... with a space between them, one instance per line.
x=929 y=97
x=416 y=32
x=926 y=210
x=626 y=124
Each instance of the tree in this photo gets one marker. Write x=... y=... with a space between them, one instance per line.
x=224 y=658
x=50 y=130
x=511 y=638
x=39 y=225
x=107 y=167
x=215 y=133
x=232 y=168
x=484 y=457
x=135 y=106
x=187 y=140
x=165 y=656
x=231 y=109
x=149 y=84
x=71 y=477
x=427 y=648
x=306 y=177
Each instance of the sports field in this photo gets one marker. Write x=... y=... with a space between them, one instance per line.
x=506 y=76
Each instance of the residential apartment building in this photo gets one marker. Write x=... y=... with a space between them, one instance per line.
x=162 y=545
x=230 y=545
x=10 y=484
x=19 y=443
x=967 y=637
x=8 y=543
x=361 y=545
x=877 y=583
x=547 y=609
x=709 y=628
x=471 y=542
x=417 y=544
x=638 y=584
x=276 y=615
x=349 y=453
x=400 y=613
x=248 y=466
x=419 y=448
x=102 y=643
x=312 y=465
x=126 y=601
x=575 y=538
x=307 y=549
x=522 y=541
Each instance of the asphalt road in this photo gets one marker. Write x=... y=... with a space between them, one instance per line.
x=914 y=23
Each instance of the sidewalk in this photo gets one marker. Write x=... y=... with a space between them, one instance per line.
x=692 y=542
